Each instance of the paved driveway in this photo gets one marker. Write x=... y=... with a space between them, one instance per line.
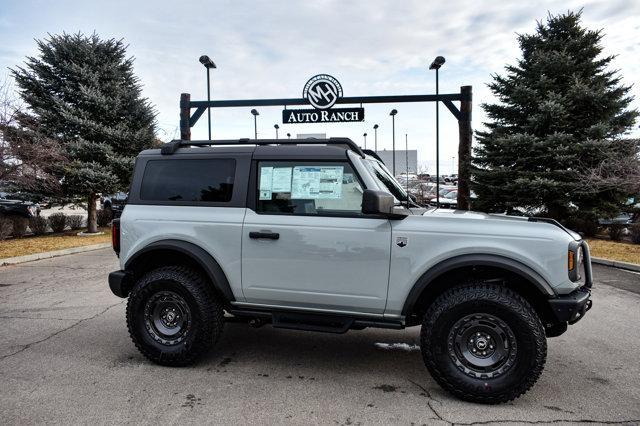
x=65 y=357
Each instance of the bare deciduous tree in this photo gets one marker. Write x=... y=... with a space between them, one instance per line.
x=618 y=167
x=26 y=157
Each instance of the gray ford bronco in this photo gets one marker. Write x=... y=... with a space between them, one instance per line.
x=318 y=235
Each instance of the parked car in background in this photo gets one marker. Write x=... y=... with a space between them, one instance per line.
x=449 y=200
x=115 y=202
x=20 y=208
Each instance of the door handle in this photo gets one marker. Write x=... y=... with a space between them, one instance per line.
x=266 y=235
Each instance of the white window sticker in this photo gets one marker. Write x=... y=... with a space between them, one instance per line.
x=266 y=182
x=266 y=178
x=317 y=182
x=281 y=181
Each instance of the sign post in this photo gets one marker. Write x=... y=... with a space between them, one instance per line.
x=322 y=92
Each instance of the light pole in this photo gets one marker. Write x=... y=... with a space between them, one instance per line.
x=208 y=64
x=375 y=134
x=255 y=114
x=288 y=135
x=365 y=140
x=393 y=130
x=453 y=170
x=435 y=65
x=275 y=126
x=406 y=159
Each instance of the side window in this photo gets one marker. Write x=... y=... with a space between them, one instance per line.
x=308 y=188
x=206 y=180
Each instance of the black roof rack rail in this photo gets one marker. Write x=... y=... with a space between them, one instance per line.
x=171 y=147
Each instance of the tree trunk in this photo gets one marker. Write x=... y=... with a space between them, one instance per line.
x=92 y=216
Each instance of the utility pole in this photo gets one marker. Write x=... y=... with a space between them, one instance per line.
x=208 y=64
x=435 y=65
x=393 y=129
x=375 y=131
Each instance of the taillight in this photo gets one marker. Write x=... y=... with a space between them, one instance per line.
x=115 y=235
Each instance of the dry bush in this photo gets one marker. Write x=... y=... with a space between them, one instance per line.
x=58 y=221
x=19 y=226
x=38 y=225
x=75 y=221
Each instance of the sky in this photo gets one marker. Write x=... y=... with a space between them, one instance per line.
x=269 y=49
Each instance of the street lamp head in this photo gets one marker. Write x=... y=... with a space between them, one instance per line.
x=375 y=126
x=207 y=62
x=288 y=135
x=276 y=126
x=393 y=112
x=255 y=112
x=437 y=63
x=365 y=135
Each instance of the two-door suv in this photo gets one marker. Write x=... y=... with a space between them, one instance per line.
x=318 y=235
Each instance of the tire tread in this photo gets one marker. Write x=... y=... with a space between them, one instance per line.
x=496 y=294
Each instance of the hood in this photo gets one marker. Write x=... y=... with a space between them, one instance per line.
x=471 y=215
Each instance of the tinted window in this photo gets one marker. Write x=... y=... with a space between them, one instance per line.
x=188 y=180
x=322 y=188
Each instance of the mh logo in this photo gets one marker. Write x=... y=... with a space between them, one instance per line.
x=322 y=91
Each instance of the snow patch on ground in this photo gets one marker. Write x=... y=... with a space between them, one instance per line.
x=405 y=347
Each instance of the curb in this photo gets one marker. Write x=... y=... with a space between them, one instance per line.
x=615 y=264
x=49 y=254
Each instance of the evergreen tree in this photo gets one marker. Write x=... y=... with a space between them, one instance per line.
x=561 y=115
x=81 y=92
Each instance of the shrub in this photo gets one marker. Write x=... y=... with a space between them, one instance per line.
x=104 y=216
x=38 y=225
x=587 y=227
x=635 y=233
x=19 y=226
x=615 y=232
x=5 y=227
x=58 y=221
x=75 y=221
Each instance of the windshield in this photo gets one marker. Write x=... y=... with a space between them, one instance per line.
x=385 y=179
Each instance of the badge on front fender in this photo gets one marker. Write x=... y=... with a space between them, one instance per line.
x=401 y=241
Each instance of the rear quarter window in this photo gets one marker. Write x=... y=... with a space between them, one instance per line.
x=188 y=180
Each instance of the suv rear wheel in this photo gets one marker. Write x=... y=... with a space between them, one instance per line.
x=173 y=316
x=483 y=343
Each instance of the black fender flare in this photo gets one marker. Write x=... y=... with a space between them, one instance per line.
x=475 y=260
x=198 y=254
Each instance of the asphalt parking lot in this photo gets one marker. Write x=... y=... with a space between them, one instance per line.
x=66 y=357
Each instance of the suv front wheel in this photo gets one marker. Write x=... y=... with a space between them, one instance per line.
x=173 y=316
x=483 y=343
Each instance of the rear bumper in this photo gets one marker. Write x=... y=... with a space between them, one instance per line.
x=572 y=307
x=119 y=283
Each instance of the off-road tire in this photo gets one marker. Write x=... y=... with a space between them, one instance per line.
x=205 y=312
x=491 y=301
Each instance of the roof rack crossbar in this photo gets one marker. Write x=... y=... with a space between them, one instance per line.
x=171 y=147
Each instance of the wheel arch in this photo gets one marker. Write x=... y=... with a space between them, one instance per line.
x=163 y=252
x=435 y=280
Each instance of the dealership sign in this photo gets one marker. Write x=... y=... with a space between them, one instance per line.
x=338 y=115
x=322 y=91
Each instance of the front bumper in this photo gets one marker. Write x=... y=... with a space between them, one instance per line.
x=119 y=283
x=572 y=307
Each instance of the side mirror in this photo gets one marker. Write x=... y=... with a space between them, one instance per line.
x=380 y=203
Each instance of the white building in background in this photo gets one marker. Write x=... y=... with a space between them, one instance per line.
x=401 y=160
x=311 y=135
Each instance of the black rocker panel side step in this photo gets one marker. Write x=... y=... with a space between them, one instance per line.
x=310 y=322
